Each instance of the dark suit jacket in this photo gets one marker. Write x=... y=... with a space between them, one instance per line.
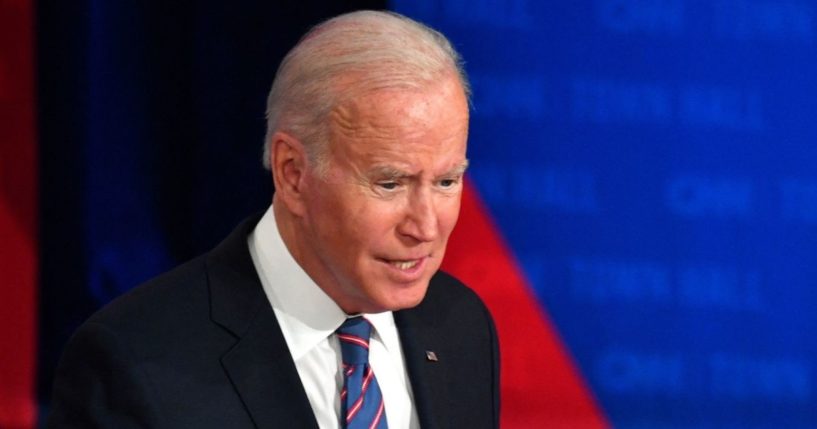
x=200 y=347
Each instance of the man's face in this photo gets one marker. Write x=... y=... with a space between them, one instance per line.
x=378 y=221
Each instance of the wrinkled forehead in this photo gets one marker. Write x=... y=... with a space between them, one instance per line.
x=369 y=80
x=413 y=130
x=409 y=111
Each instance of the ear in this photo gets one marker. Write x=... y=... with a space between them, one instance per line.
x=288 y=171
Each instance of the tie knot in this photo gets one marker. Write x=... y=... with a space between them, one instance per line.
x=354 y=340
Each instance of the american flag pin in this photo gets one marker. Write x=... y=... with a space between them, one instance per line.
x=431 y=356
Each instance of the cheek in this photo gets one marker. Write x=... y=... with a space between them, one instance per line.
x=319 y=199
x=363 y=229
x=375 y=231
x=448 y=216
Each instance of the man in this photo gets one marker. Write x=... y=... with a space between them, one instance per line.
x=330 y=310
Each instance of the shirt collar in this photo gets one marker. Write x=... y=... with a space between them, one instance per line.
x=306 y=314
x=383 y=323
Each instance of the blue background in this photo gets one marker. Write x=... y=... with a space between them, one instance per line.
x=652 y=165
x=650 y=162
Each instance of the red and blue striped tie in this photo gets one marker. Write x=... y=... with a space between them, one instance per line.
x=361 y=403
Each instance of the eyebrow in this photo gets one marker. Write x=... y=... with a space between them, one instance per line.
x=458 y=170
x=390 y=172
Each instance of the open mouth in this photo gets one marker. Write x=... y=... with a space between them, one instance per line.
x=405 y=265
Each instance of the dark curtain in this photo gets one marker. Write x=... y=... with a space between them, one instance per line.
x=151 y=120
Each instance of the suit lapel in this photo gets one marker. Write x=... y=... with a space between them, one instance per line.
x=265 y=377
x=418 y=336
x=259 y=366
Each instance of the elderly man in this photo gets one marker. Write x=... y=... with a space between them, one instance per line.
x=330 y=310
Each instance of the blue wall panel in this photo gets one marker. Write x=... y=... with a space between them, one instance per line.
x=652 y=165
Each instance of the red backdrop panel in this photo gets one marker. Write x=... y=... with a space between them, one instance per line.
x=541 y=387
x=18 y=216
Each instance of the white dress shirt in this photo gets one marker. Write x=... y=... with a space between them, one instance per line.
x=309 y=318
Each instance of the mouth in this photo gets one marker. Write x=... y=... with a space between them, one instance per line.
x=406 y=267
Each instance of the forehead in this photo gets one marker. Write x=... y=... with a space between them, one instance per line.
x=439 y=111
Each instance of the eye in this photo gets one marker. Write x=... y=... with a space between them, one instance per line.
x=389 y=186
x=448 y=183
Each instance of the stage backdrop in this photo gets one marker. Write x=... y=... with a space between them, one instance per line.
x=651 y=164
x=641 y=214
x=18 y=217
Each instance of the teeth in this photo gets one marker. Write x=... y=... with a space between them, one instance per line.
x=404 y=265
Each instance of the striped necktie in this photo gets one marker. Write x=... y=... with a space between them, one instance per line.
x=361 y=403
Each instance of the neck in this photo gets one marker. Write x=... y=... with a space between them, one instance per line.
x=292 y=232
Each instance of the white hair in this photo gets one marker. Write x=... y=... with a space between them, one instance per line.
x=345 y=56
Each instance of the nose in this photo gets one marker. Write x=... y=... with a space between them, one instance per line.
x=420 y=221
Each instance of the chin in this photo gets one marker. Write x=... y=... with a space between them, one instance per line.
x=407 y=298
